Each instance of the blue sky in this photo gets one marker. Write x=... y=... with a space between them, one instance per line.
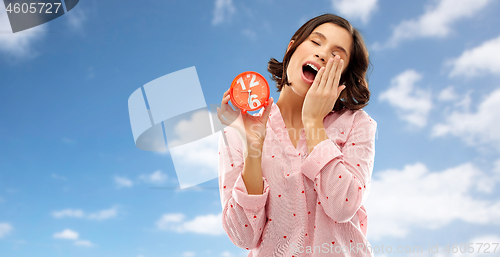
x=72 y=182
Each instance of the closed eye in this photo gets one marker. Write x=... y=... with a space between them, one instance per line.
x=319 y=44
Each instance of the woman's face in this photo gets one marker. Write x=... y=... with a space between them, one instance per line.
x=326 y=41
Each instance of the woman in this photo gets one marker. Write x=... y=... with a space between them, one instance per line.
x=293 y=179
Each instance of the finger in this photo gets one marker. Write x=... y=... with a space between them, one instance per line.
x=317 y=79
x=224 y=105
x=226 y=99
x=332 y=75
x=341 y=88
x=336 y=82
x=267 y=110
x=219 y=115
x=225 y=93
x=325 y=76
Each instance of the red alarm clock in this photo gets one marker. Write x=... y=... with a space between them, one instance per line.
x=249 y=91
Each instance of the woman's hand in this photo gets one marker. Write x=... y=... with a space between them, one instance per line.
x=252 y=129
x=323 y=93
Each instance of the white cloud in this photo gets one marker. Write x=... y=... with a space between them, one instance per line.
x=123 y=182
x=76 y=17
x=102 y=215
x=194 y=149
x=66 y=234
x=437 y=20
x=412 y=104
x=223 y=11
x=188 y=254
x=226 y=254
x=478 y=128
x=156 y=177
x=18 y=44
x=204 y=224
x=357 y=9
x=99 y=215
x=5 y=229
x=416 y=198
x=250 y=34
x=478 y=61
x=190 y=129
x=448 y=94
x=55 y=176
x=68 y=213
x=85 y=243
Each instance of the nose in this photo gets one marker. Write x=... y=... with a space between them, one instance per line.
x=321 y=56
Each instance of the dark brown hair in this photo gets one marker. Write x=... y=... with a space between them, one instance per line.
x=356 y=94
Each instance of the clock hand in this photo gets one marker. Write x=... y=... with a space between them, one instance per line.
x=249 y=97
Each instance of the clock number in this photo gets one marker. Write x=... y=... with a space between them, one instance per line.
x=253 y=82
x=242 y=83
x=255 y=102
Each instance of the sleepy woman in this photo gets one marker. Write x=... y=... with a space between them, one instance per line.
x=293 y=178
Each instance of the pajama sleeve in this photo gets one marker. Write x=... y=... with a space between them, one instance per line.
x=342 y=176
x=243 y=215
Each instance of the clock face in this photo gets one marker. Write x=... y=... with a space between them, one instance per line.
x=249 y=91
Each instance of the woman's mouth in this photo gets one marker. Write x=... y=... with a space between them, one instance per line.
x=309 y=72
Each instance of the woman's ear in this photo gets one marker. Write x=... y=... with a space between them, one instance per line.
x=289 y=45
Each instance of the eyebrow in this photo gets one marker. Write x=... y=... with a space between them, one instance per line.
x=336 y=46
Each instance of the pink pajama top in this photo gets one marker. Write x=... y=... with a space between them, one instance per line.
x=312 y=204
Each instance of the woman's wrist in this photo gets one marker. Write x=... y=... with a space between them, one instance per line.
x=254 y=149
